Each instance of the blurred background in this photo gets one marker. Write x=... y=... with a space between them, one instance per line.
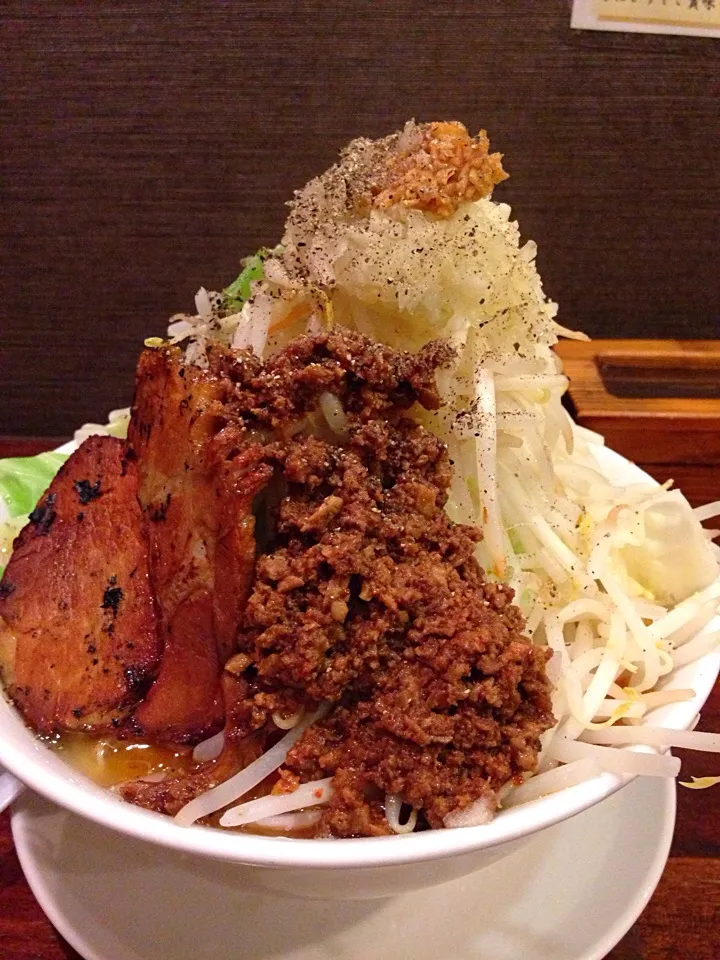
x=149 y=146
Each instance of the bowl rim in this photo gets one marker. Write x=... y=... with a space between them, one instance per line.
x=46 y=773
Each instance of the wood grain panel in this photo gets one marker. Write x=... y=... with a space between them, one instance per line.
x=148 y=146
x=686 y=900
x=676 y=420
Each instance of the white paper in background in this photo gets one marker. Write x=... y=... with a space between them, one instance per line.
x=694 y=18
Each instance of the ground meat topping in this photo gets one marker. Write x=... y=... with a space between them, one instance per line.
x=369 y=597
x=370 y=379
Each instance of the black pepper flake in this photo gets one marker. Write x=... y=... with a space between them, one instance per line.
x=77 y=713
x=43 y=516
x=87 y=491
x=81 y=516
x=112 y=598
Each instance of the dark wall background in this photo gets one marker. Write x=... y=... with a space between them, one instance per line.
x=148 y=146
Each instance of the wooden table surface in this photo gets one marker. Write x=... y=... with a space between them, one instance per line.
x=682 y=921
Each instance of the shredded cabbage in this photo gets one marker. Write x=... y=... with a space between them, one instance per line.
x=239 y=290
x=23 y=480
x=116 y=426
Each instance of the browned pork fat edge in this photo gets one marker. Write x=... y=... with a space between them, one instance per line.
x=364 y=594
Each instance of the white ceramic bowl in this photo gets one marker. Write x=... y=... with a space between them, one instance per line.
x=342 y=869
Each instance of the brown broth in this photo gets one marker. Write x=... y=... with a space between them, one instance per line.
x=109 y=761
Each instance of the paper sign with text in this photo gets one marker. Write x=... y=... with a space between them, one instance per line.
x=698 y=18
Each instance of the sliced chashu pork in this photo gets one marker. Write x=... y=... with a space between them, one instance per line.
x=79 y=645
x=198 y=476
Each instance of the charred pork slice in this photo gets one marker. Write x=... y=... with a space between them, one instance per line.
x=79 y=645
x=197 y=479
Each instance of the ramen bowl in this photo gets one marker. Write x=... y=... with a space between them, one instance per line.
x=348 y=869
x=361 y=868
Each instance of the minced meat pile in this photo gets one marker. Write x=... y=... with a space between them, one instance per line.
x=368 y=597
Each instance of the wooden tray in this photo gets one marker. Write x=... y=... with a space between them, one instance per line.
x=657 y=402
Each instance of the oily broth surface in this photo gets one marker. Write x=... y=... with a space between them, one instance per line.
x=109 y=761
